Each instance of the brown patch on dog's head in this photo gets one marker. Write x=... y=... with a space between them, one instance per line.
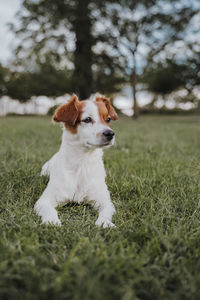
x=105 y=109
x=69 y=113
x=103 y=112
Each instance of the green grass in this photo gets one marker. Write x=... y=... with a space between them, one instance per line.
x=153 y=174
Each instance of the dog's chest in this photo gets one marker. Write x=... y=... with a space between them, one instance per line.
x=86 y=175
x=83 y=174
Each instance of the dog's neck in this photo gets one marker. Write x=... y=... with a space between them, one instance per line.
x=70 y=145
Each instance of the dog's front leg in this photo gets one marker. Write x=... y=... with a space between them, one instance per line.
x=105 y=207
x=45 y=208
x=105 y=215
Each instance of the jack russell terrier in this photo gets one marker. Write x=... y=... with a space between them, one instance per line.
x=77 y=171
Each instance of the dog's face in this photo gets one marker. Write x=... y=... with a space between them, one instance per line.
x=88 y=120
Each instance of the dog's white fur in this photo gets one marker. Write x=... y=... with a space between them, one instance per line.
x=77 y=172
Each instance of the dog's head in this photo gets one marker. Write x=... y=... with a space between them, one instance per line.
x=88 y=120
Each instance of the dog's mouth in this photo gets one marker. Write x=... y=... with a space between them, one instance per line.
x=99 y=145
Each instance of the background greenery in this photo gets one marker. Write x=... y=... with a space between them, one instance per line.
x=154 y=251
x=68 y=46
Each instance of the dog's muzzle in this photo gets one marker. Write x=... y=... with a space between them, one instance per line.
x=108 y=134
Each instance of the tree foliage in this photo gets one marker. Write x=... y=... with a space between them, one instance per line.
x=45 y=80
x=163 y=78
x=145 y=30
x=88 y=46
x=168 y=76
x=3 y=76
x=67 y=31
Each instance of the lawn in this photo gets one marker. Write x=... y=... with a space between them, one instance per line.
x=153 y=174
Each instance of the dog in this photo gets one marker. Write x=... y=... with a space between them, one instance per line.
x=77 y=171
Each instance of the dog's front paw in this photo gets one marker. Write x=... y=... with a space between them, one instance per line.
x=53 y=221
x=104 y=223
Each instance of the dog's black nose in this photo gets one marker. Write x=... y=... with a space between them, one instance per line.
x=108 y=134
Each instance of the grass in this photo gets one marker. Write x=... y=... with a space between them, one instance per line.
x=154 y=251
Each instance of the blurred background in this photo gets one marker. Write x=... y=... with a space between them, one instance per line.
x=144 y=54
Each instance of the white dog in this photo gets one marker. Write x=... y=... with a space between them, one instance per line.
x=76 y=171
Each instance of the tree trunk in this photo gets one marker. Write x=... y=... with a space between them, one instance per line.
x=135 y=104
x=82 y=76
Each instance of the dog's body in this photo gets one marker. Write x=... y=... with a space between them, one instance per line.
x=76 y=171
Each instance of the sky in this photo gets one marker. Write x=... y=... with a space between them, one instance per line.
x=8 y=9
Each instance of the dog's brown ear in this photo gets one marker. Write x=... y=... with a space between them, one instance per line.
x=112 y=113
x=68 y=113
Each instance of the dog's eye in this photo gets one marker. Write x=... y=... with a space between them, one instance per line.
x=108 y=119
x=87 y=120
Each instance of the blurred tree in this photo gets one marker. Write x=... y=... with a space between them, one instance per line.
x=107 y=76
x=18 y=86
x=190 y=65
x=145 y=29
x=45 y=80
x=68 y=30
x=82 y=27
x=165 y=77
x=101 y=43
x=3 y=75
x=162 y=79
